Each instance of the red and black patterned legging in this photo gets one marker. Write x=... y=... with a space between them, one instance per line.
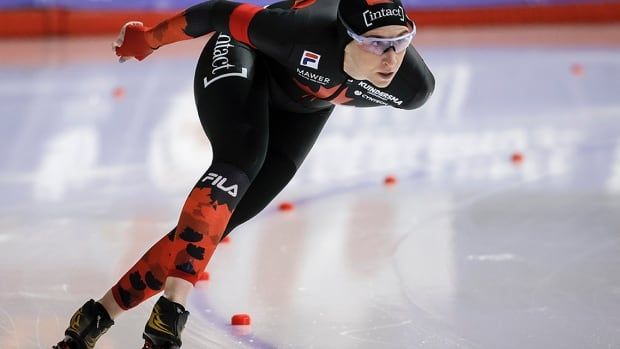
x=185 y=251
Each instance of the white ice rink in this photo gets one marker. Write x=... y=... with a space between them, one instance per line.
x=468 y=250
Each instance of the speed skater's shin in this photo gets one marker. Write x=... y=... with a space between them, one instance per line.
x=204 y=218
x=147 y=277
x=185 y=252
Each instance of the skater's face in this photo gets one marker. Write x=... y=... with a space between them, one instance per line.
x=379 y=67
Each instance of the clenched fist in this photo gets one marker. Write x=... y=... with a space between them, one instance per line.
x=132 y=43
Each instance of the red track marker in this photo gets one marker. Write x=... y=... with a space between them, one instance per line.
x=577 y=69
x=240 y=320
x=390 y=180
x=286 y=206
x=204 y=276
x=517 y=158
x=118 y=93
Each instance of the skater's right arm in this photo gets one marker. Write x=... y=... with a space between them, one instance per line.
x=268 y=30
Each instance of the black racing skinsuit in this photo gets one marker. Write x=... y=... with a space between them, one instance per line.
x=269 y=78
x=265 y=84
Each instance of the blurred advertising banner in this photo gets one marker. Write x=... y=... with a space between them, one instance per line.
x=181 y=4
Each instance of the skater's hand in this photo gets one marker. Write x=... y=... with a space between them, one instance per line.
x=132 y=43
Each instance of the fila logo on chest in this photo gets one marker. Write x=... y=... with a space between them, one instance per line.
x=310 y=59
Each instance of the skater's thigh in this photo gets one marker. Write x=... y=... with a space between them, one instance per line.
x=231 y=95
x=291 y=138
x=292 y=135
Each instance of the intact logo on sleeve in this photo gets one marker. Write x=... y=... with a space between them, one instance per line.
x=310 y=60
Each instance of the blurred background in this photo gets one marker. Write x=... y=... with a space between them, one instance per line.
x=488 y=218
x=33 y=18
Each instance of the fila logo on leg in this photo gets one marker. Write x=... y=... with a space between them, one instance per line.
x=310 y=60
x=218 y=181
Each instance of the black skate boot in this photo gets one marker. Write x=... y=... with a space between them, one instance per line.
x=163 y=330
x=88 y=323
